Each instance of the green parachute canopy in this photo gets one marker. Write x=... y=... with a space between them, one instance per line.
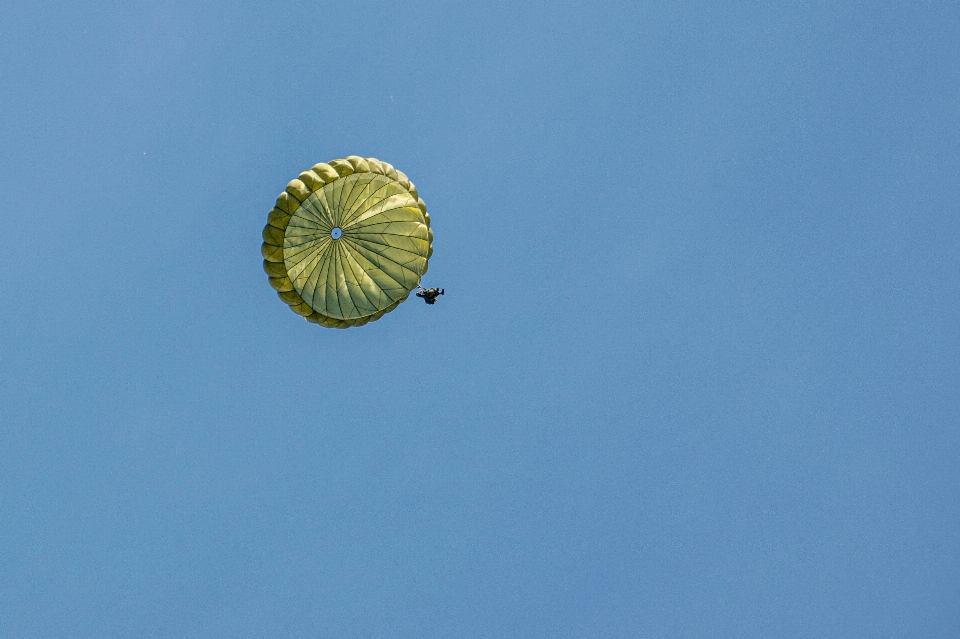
x=347 y=242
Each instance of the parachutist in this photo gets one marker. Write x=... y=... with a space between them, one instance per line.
x=430 y=295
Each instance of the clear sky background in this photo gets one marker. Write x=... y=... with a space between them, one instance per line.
x=696 y=374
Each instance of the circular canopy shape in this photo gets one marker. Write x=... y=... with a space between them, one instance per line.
x=347 y=242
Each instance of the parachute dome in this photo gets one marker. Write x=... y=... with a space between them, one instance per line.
x=347 y=242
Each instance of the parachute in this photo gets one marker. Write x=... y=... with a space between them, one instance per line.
x=347 y=242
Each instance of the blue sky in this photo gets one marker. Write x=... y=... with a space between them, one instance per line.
x=695 y=375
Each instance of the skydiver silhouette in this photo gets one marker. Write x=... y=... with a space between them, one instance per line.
x=429 y=295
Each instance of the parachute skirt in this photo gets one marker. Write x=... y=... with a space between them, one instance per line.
x=347 y=242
